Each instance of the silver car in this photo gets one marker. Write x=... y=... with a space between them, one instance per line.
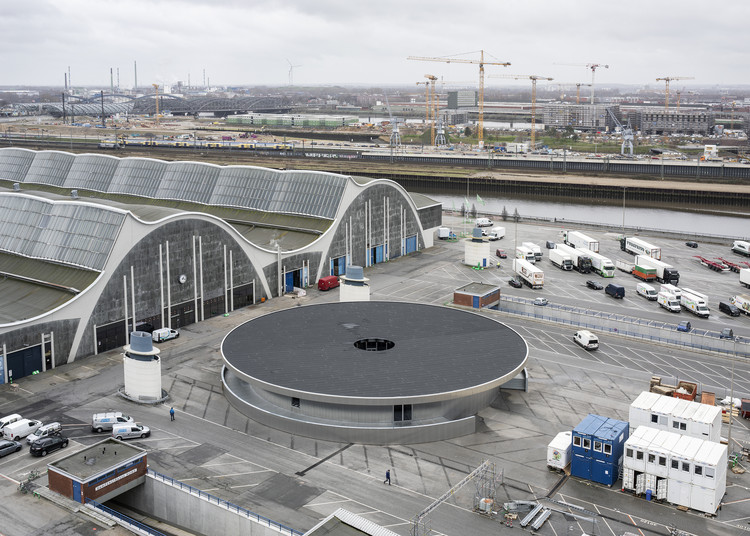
x=8 y=447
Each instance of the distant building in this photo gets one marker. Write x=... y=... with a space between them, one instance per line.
x=660 y=121
x=594 y=117
x=465 y=98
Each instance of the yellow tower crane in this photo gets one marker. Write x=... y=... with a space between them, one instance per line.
x=578 y=91
x=432 y=105
x=482 y=63
x=426 y=85
x=156 y=92
x=533 y=78
x=667 y=80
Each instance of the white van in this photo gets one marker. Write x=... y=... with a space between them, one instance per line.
x=483 y=222
x=47 y=430
x=646 y=290
x=8 y=419
x=130 y=431
x=164 y=334
x=586 y=339
x=497 y=233
x=105 y=421
x=20 y=429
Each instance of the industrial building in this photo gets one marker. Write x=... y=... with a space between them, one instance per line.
x=590 y=117
x=293 y=120
x=660 y=121
x=370 y=372
x=92 y=245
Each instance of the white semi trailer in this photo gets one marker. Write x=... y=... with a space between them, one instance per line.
x=577 y=239
x=560 y=259
x=529 y=274
x=636 y=246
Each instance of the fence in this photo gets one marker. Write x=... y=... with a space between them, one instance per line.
x=212 y=499
x=123 y=519
x=649 y=330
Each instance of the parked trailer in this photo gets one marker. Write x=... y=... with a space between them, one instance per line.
x=580 y=257
x=601 y=264
x=745 y=277
x=732 y=266
x=712 y=265
x=644 y=273
x=665 y=273
x=530 y=274
x=625 y=266
x=636 y=246
x=577 y=239
x=742 y=302
x=560 y=259
x=695 y=302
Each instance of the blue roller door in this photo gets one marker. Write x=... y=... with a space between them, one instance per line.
x=411 y=244
x=289 y=282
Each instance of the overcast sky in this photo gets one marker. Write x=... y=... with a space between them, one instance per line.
x=246 y=42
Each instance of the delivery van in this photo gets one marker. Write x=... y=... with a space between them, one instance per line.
x=164 y=334
x=8 y=419
x=130 y=431
x=646 y=290
x=586 y=339
x=46 y=430
x=20 y=429
x=328 y=282
x=105 y=421
x=484 y=222
x=616 y=291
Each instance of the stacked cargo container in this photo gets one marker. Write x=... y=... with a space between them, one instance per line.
x=676 y=415
x=597 y=450
x=682 y=470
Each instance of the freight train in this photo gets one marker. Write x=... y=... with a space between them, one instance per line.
x=202 y=144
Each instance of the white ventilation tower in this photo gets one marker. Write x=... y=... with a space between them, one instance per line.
x=142 y=368
x=354 y=285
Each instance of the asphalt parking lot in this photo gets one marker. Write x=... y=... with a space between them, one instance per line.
x=297 y=481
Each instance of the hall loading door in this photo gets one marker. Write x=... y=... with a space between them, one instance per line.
x=338 y=266
x=24 y=362
x=410 y=244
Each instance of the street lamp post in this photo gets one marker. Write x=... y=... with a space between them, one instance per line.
x=731 y=397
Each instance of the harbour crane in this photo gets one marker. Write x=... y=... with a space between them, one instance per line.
x=667 y=80
x=593 y=67
x=482 y=63
x=627 y=133
x=156 y=92
x=533 y=78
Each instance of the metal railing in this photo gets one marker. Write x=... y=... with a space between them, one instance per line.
x=123 y=519
x=224 y=504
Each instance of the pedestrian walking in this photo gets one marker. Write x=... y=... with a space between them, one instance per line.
x=171 y=414
x=387 y=477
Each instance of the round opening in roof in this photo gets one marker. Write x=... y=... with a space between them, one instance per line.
x=374 y=345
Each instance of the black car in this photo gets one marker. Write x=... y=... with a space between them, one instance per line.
x=515 y=283
x=593 y=284
x=8 y=447
x=691 y=244
x=726 y=333
x=42 y=446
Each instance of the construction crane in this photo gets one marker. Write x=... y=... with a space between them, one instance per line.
x=533 y=78
x=432 y=115
x=593 y=67
x=679 y=94
x=667 y=80
x=156 y=92
x=395 y=135
x=627 y=133
x=482 y=63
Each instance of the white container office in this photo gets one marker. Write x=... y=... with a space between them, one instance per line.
x=676 y=415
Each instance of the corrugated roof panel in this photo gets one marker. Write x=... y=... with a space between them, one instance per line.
x=188 y=181
x=50 y=167
x=92 y=172
x=138 y=176
x=15 y=163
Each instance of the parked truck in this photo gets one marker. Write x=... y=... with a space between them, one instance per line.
x=497 y=233
x=580 y=258
x=522 y=252
x=669 y=302
x=577 y=239
x=560 y=259
x=601 y=264
x=741 y=247
x=742 y=303
x=665 y=273
x=745 y=277
x=529 y=274
x=636 y=246
x=625 y=266
x=695 y=302
x=444 y=233
x=535 y=248
x=644 y=273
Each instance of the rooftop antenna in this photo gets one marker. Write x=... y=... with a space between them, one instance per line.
x=291 y=71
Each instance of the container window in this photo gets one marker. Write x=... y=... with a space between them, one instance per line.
x=587 y=444
x=597 y=446
x=651 y=458
x=698 y=470
x=638 y=455
x=709 y=472
x=607 y=449
x=683 y=426
x=675 y=464
x=663 y=461
x=675 y=424
x=576 y=441
x=628 y=453
x=686 y=467
x=654 y=418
